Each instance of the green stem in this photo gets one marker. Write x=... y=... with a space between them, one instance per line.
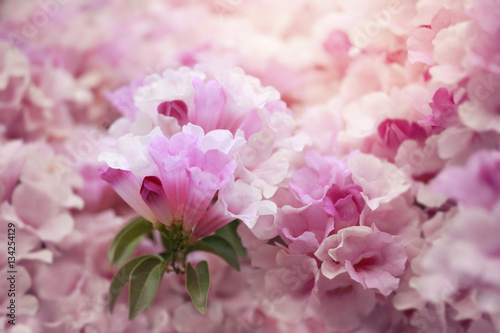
x=175 y=242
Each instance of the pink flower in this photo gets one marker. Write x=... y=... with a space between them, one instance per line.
x=462 y=266
x=449 y=53
x=283 y=280
x=237 y=200
x=420 y=46
x=217 y=99
x=231 y=100
x=394 y=131
x=371 y=258
x=188 y=182
x=479 y=180
x=398 y=218
x=122 y=99
x=38 y=196
x=381 y=181
x=337 y=44
x=187 y=179
x=341 y=302
x=344 y=203
x=304 y=230
x=480 y=111
x=11 y=161
x=14 y=79
x=322 y=123
x=310 y=183
x=39 y=98
x=176 y=109
x=444 y=110
x=484 y=48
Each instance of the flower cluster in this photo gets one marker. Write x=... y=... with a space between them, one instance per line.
x=332 y=167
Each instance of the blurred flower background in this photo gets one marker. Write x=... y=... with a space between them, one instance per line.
x=357 y=142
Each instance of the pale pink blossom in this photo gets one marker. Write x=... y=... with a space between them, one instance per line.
x=344 y=203
x=11 y=166
x=304 y=230
x=421 y=160
x=14 y=80
x=485 y=14
x=282 y=282
x=420 y=46
x=341 y=302
x=216 y=98
x=478 y=177
x=371 y=258
x=449 y=54
x=41 y=200
x=444 y=110
x=394 y=131
x=322 y=123
x=311 y=182
x=226 y=99
x=38 y=99
x=396 y=217
x=479 y=112
x=395 y=104
x=458 y=268
x=381 y=181
x=186 y=179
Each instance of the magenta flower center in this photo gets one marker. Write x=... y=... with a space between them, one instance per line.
x=177 y=109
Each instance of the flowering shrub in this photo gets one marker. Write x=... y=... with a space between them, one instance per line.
x=250 y=166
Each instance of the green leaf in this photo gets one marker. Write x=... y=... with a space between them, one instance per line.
x=144 y=282
x=127 y=240
x=218 y=246
x=197 y=285
x=228 y=232
x=121 y=278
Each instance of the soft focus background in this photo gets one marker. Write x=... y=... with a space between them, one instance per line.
x=396 y=101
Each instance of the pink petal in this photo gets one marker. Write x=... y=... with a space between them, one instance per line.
x=123 y=99
x=176 y=109
x=127 y=187
x=209 y=102
x=208 y=173
x=154 y=196
x=381 y=280
x=172 y=169
x=420 y=46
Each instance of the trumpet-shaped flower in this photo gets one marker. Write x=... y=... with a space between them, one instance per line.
x=187 y=179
